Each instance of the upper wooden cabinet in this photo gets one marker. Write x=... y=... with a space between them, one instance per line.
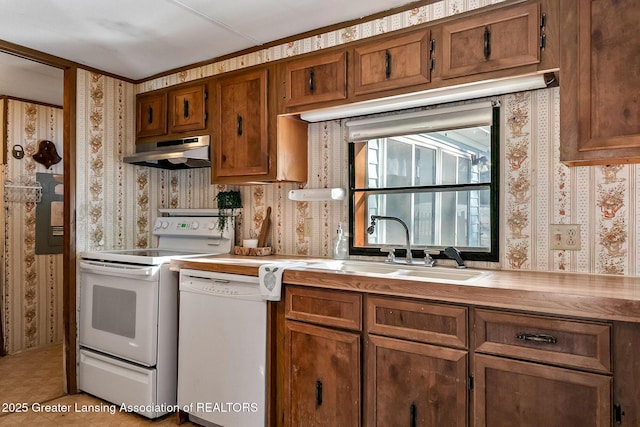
x=240 y=144
x=504 y=38
x=392 y=63
x=318 y=78
x=599 y=82
x=250 y=143
x=151 y=114
x=171 y=112
x=187 y=108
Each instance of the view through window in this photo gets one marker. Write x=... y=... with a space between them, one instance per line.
x=442 y=182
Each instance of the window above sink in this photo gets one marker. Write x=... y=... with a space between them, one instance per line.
x=437 y=171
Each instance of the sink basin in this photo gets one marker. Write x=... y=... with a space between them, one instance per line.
x=399 y=270
x=442 y=273
x=355 y=267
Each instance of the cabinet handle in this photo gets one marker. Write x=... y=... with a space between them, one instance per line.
x=312 y=80
x=185 y=107
x=487 y=42
x=150 y=116
x=413 y=414
x=318 y=393
x=538 y=338
x=617 y=414
x=239 y=129
x=387 y=64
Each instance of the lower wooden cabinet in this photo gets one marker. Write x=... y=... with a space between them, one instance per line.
x=352 y=358
x=323 y=376
x=414 y=384
x=515 y=393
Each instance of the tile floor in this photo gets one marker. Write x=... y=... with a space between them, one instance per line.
x=35 y=379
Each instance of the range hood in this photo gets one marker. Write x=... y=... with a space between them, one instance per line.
x=182 y=153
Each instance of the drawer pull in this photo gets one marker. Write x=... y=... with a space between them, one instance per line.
x=312 y=80
x=239 y=125
x=487 y=42
x=540 y=339
x=185 y=108
x=318 y=393
x=387 y=64
x=413 y=415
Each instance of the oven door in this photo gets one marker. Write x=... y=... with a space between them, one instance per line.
x=119 y=310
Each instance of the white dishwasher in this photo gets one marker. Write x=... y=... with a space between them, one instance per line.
x=222 y=349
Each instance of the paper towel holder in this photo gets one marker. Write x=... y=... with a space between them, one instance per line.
x=314 y=194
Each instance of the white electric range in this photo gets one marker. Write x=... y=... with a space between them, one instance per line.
x=128 y=322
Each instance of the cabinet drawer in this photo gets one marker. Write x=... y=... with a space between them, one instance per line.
x=324 y=307
x=544 y=339
x=417 y=320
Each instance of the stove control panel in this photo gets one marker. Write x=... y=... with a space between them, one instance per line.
x=184 y=226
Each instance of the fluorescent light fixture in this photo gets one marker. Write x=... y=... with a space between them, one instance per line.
x=313 y=194
x=430 y=97
x=433 y=120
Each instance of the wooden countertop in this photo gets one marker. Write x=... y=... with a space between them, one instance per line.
x=591 y=296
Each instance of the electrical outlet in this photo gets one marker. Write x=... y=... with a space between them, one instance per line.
x=564 y=237
x=308 y=227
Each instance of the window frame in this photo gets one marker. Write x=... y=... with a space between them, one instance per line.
x=494 y=202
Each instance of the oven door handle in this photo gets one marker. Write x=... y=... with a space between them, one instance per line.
x=119 y=269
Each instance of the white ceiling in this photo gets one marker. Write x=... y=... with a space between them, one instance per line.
x=139 y=38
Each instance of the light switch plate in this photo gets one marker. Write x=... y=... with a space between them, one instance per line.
x=564 y=237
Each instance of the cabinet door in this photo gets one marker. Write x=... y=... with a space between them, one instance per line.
x=413 y=384
x=323 y=377
x=501 y=39
x=600 y=112
x=240 y=146
x=626 y=363
x=187 y=108
x=392 y=63
x=316 y=79
x=151 y=114
x=514 y=393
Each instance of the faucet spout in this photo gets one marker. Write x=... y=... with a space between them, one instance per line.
x=372 y=227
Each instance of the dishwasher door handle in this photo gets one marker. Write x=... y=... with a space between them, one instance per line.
x=221 y=288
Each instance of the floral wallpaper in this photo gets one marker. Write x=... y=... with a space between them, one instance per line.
x=31 y=283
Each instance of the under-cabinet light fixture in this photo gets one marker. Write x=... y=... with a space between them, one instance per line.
x=312 y=194
x=433 y=96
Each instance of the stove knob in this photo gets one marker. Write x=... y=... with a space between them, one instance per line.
x=212 y=225
x=195 y=225
x=165 y=224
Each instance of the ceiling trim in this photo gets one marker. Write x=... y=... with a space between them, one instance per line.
x=34 y=55
x=30 y=101
x=52 y=60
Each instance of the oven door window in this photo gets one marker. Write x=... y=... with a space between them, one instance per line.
x=114 y=310
x=119 y=311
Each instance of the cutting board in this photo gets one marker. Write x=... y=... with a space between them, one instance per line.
x=264 y=230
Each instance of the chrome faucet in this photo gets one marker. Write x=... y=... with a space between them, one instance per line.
x=372 y=227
